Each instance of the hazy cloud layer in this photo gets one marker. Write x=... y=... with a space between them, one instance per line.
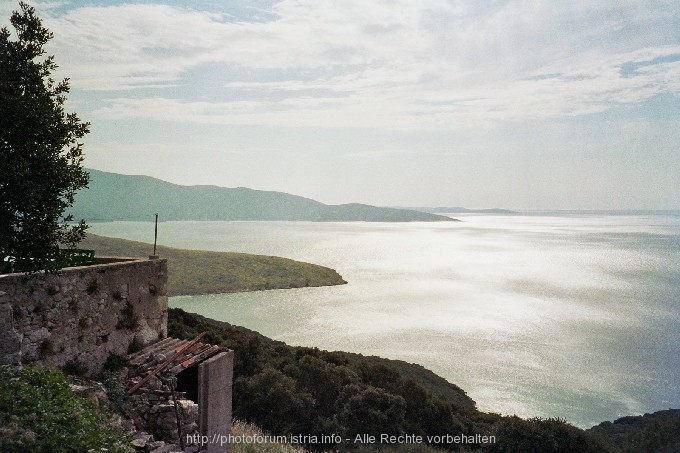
x=374 y=64
x=514 y=103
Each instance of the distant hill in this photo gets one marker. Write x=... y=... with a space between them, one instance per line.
x=113 y=196
x=459 y=210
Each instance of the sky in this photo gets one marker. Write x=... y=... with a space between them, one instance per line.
x=515 y=104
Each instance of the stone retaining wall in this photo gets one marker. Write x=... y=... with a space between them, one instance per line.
x=82 y=315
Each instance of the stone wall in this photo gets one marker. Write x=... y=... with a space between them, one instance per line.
x=83 y=314
x=156 y=410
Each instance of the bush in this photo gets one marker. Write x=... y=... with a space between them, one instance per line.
x=75 y=368
x=114 y=385
x=130 y=320
x=536 y=435
x=270 y=397
x=115 y=362
x=39 y=413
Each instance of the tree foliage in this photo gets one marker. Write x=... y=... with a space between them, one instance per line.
x=536 y=435
x=290 y=390
x=296 y=390
x=40 y=154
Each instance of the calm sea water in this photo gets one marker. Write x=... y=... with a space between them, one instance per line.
x=575 y=317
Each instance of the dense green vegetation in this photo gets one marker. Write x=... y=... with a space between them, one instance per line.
x=202 y=272
x=292 y=390
x=658 y=432
x=122 y=197
x=39 y=413
x=305 y=391
x=535 y=435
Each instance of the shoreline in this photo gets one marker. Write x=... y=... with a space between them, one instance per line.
x=204 y=262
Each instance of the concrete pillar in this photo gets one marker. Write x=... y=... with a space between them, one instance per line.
x=215 y=377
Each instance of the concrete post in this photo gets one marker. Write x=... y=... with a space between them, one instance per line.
x=215 y=377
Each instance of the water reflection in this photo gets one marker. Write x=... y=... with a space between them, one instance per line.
x=572 y=317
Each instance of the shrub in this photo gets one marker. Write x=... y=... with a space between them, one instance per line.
x=537 y=435
x=114 y=385
x=135 y=346
x=46 y=348
x=115 y=362
x=92 y=286
x=129 y=319
x=17 y=313
x=75 y=368
x=39 y=413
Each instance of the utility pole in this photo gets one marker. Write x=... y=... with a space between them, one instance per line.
x=155 y=235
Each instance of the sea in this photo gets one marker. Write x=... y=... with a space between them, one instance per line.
x=550 y=314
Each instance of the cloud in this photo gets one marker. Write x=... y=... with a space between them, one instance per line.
x=367 y=99
x=373 y=64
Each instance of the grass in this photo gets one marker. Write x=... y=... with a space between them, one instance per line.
x=192 y=272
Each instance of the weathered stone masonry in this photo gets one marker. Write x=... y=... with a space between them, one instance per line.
x=83 y=314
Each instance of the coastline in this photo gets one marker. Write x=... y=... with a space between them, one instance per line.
x=201 y=267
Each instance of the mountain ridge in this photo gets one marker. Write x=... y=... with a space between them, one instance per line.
x=113 y=196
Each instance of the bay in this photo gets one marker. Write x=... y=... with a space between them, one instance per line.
x=572 y=316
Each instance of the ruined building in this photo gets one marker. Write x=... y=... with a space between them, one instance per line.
x=83 y=315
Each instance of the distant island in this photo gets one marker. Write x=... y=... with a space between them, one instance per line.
x=113 y=196
x=459 y=210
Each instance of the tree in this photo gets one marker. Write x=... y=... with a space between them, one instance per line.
x=40 y=156
x=271 y=399
x=369 y=410
x=536 y=435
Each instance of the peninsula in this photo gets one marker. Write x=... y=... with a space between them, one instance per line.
x=192 y=272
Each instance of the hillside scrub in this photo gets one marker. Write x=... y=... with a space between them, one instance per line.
x=658 y=432
x=39 y=413
x=289 y=390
